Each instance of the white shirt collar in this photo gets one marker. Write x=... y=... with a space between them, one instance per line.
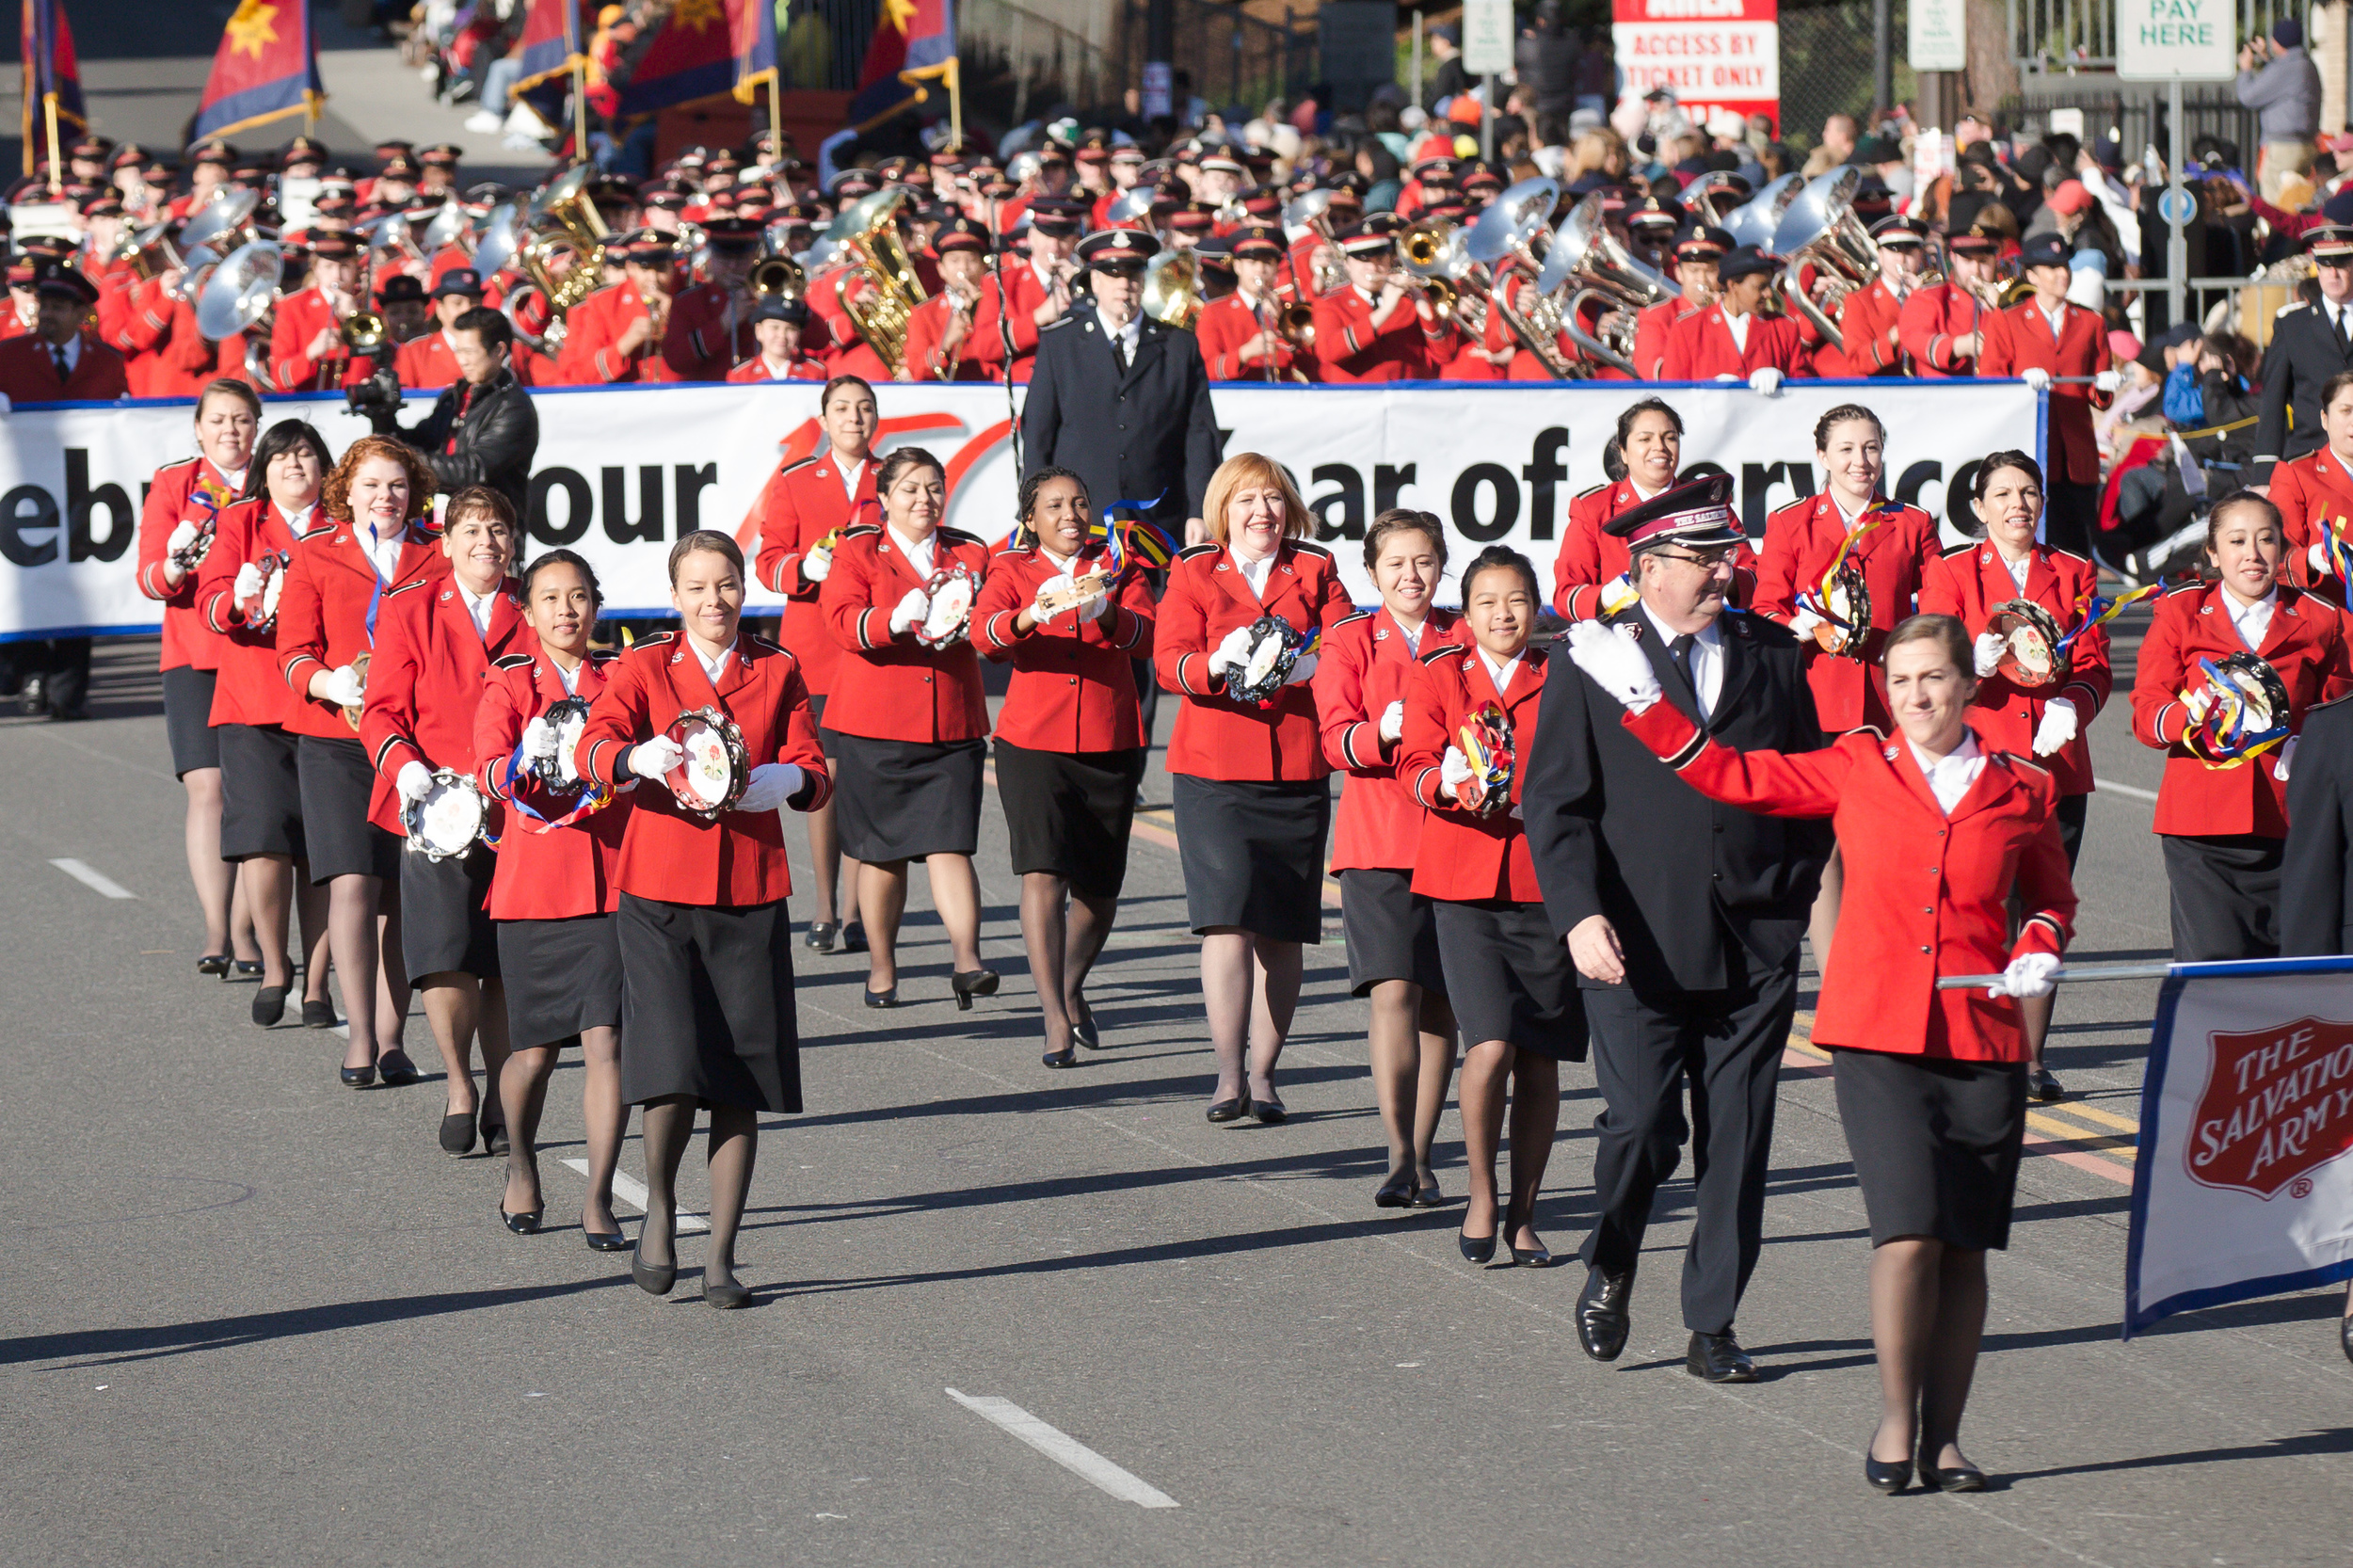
x=1501 y=674
x=713 y=669
x=1951 y=776
x=477 y=606
x=1848 y=520
x=297 y=524
x=384 y=553
x=2057 y=318
x=2253 y=621
x=2018 y=568
x=1412 y=634
x=1127 y=335
x=851 y=474
x=569 y=677
x=1255 y=572
x=922 y=557
x=73 y=348
x=1738 y=326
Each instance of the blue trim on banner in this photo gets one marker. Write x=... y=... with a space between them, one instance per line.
x=2043 y=430
x=133 y=629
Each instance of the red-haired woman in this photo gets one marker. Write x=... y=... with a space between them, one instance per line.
x=1252 y=797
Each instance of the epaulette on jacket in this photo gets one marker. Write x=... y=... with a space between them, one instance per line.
x=1191 y=551
x=861 y=531
x=957 y=536
x=410 y=587
x=1431 y=656
x=1311 y=547
x=512 y=661
x=1352 y=619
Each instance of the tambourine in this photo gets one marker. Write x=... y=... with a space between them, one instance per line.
x=359 y=668
x=2033 y=653
x=1082 y=590
x=191 y=555
x=261 y=610
x=2248 y=713
x=451 y=819
x=568 y=718
x=1488 y=746
x=1275 y=647
x=948 y=611
x=1846 y=610
x=718 y=767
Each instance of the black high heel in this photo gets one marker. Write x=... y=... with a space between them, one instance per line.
x=399 y=1072
x=1536 y=1258
x=883 y=999
x=968 y=983
x=1230 y=1111
x=1477 y=1249
x=358 y=1078
x=1083 y=1028
x=246 y=969
x=213 y=963
x=1066 y=1057
x=604 y=1240
x=269 y=1005
x=524 y=1224
x=655 y=1279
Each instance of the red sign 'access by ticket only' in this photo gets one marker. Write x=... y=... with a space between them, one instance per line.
x=1714 y=56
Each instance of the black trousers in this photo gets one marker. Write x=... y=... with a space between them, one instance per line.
x=1727 y=1043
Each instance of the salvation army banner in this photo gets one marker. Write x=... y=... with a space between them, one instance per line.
x=2243 y=1185
x=623 y=471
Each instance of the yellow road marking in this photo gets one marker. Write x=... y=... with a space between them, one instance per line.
x=2096 y=1113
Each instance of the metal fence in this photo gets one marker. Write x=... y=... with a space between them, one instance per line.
x=1826 y=63
x=822 y=43
x=1226 y=56
x=1033 y=62
x=2080 y=34
x=2135 y=116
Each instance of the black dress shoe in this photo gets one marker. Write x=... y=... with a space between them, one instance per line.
x=883 y=999
x=968 y=983
x=269 y=1005
x=457 y=1132
x=1960 y=1478
x=399 y=1072
x=1396 y=1193
x=214 y=962
x=246 y=969
x=1230 y=1111
x=1718 y=1358
x=1535 y=1257
x=318 y=1015
x=1475 y=1248
x=853 y=937
x=493 y=1135
x=1886 y=1476
x=1083 y=1028
x=604 y=1240
x=525 y=1224
x=822 y=936
x=1429 y=1195
x=727 y=1297
x=358 y=1078
x=2043 y=1085
x=655 y=1279
x=1066 y=1057
x=1601 y=1313
x=1270 y=1111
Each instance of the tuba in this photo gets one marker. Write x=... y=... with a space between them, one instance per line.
x=1588 y=278
x=559 y=220
x=1513 y=225
x=1818 y=228
x=235 y=294
x=1752 y=223
x=1172 y=288
x=866 y=237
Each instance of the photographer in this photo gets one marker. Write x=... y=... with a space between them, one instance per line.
x=483 y=429
x=2278 y=80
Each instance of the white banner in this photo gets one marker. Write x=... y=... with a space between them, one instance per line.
x=2243 y=1185
x=622 y=471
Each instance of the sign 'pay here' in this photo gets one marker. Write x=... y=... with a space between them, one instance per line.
x=2175 y=40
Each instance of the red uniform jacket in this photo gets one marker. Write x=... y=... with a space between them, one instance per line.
x=697 y=345
x=251 y=688
x=1349 y=348
x=1591 y=558
x=894 y=688
x=1461 y=855
x=134 y=320
x=2314 y=494
x=845 y=353
x=184 y=360
x=1879 y=991
x=1699 y=347
x=1224 y=327
x=2305 y=643
x=801 y=503
x=28 y=373
x=300 y=318
x=1650 y=335
x=190 y=491
x=1868 y=321
x=756 y=370
x=927 y=328
x=1013 y=310
x=594 y=326
x=326 y=610
x=1968 y=584
x=545 y=873
x=1932 y=318
x=426 y=682
x=669 y=852
x=1801 y=540
x=1074 y=683
x=425 y=364
x=2020 y=337
x=1365 y=665
x=1207 y=598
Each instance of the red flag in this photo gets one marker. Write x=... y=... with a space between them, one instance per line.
x=915 y=42
x=266 y=69
x=52 y=74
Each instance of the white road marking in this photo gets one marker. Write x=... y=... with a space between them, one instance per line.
x=1065 y=1450
x=98 y=882
x=2134 y=791
x=630 y=1190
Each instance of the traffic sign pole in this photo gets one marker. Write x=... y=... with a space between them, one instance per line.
x=2177 y=231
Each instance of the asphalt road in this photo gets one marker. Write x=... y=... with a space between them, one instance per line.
x=256 y=1318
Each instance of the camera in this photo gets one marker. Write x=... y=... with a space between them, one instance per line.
x=376 y=398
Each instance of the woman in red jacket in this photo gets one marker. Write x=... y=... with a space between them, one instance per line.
x=1070 y=739
x=343 y=576
x=803 y=514
x=707 y=1013
x=434 y=649
x=1931 y=1085
x=1360 y=687
x=178 y=526
x=1509 y=979
x=1253 y=804
x=2315 y=495
x=1805 y=543
x=553 y=895
x=239 y=590
x=2046 y=722
x=908 y=735
x=2223 y=812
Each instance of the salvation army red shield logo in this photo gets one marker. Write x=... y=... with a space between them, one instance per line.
x=2276 y=1105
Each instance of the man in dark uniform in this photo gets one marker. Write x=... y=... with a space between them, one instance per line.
x=2309 y=344
x=1123 y=401
x=1683 y=917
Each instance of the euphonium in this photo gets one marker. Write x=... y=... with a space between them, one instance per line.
x=559 y=219
x=1172 y=288
x=866 y=235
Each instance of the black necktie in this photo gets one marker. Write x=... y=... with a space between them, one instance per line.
x=1679 y=650
x=2336 y=324
x=1119 y=351
x=65 y=371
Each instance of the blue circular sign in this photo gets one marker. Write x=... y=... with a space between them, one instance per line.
x=2177 y=207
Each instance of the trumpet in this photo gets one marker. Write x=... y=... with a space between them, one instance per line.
x=364 y=333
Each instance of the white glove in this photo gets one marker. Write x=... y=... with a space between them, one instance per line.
x=654 y=757
x=1765 y=382
x=1095 y=608
x=344 y=687
x=2318 y=556
x=1801 y=624
x=1453 y=773
x=2107 y=381
x=2280 y=765
x=1616 y=665
x=1229 y=654
x=182 y=535
x=910 y=610
x=1728 y=378
x=2059 y=722
x=1393 y=722
x=1617 y=594
x=2198 y=703
x=1052 y=587
x=2026 y=975
x=2035 y=378
x=248 y=582
x=415 y=781
x=772 y=784
x=1987 y=652
x=1301 y=671
x=816 y=564
x=540 y=742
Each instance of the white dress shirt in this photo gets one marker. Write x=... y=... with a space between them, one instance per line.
x=1412 y=634
x=921 y=556
x=1707 y=660
x=1950 y=776
x=1125 y=337
x=851 y=474
x=571 y=676
x=2057 y=318
x=2340 y=317
x=1500 y=674
x=2252 y=620
x=1738 y=326
x=2017 y=568
x=1255 y=572
x=478 y=607
x=714 y=668
x=384 y=553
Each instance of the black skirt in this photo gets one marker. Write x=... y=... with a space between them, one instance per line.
x=188 y=719
x=707 y=1008
x=2225 y=890
x=1070 y=813
x=562 y=977
x=1252 y=855
x=1392 y=932
x=260 y=792
x=335 y=780
x=902 y=800
x=1935 y=1144
x=443 y=925
x=1509 y=977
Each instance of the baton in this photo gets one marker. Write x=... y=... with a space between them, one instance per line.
x=2065 y=971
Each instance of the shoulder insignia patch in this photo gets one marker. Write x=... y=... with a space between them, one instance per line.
x=957 y=536
x=861 y=531
x=1601 y=488
x=1191 y=551
x=512 y=661
x=796 y=468
x=1308 y=547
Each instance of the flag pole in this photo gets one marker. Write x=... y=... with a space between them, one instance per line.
x=56 y=158
x=955 y=105
x=775 y=119
x=580 y=107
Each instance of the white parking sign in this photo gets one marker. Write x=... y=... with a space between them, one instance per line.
x=2175 y=40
